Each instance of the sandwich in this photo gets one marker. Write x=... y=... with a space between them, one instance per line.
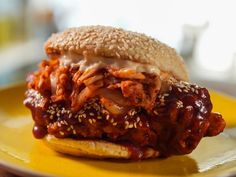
x=106 y=92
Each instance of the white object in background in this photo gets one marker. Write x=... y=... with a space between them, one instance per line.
x=157 y=18
x=233 y=68
x=20 y=54
x=215 y=51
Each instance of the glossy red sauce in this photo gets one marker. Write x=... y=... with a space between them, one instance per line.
x=180 y=118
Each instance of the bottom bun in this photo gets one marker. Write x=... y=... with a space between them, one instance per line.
x=98 y=149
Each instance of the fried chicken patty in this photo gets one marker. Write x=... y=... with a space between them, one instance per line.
x=121 y=106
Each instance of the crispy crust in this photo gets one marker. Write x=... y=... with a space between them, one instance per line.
x=117 y=43
x=94 y=149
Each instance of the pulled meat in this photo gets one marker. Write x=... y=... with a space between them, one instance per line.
x=76 y=87
x=126 y=73
x=120 y=106
x=134 y=91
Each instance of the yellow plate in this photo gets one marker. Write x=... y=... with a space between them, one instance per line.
x=22 y=154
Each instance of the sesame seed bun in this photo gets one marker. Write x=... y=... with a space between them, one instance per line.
x=95 y=149
x=118 y=43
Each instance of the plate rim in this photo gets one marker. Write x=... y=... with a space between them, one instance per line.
x=22 y=171
x=11 y=167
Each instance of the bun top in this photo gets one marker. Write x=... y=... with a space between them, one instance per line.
x=119 y=44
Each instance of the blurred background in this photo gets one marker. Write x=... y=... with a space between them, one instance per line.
x=203 y=32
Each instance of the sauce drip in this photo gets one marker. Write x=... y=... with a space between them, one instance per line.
x=180 y=118
x=39 y=131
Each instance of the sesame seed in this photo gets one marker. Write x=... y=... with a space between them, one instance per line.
x=185 y=90
x=70 y=115
x=91 y=114
x=138 y=119
x=189 y=107
x=179 y=104
x=61 y=133
x=133 y=112
x=140 y=124
x=81 y=112
x=131 y=125
x=90 y=121
x=112 y=120
x=155 y=112
x=114 y=124
x=179 y=90
x=74 y=132
x=99 y=117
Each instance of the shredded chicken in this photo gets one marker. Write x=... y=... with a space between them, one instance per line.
x=113 y=95
x=92 y=79
x=114 y=86
x=139 y=94
x=63 y=79
x=76 y=77
x=85 y=75
x=79 y=98
x=134 y=91
x=123 y=87
x=126 y=73
x=112 y=107
x=40 y=80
